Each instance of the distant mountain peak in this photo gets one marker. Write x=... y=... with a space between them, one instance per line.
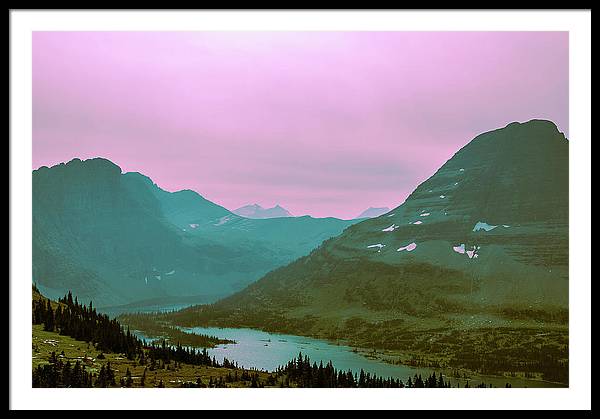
x=373 y=212
x=257 y=211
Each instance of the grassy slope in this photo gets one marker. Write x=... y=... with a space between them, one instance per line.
x=44 y=343
x=72 y=350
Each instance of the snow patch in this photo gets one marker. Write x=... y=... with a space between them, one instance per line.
x=194 y=225
x=223 y=220
x=391 y=215
x=418 y=222
x=146 y=279
x=459 y=249
x=481 y=225
x=425 y=214
x=391 y=228
x=171 y=272
x=378 y=245
x=471 y=253
x=461 y=170
x=442 y=196
x=408 y=247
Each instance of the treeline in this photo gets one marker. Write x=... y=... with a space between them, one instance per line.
x=151 y=326
x=64 y=374
x=183 y=355
x=81 y=322
x=250 y=377
x=550 y=367
x=299 y=372
x=549 y=315
x=61 y=374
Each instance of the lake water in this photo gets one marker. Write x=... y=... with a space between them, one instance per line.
x=267 y=351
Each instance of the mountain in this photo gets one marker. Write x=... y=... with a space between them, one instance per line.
x=118 y=238
x=373 y=212
x=180 y=207
x=482 y=243
x=258 y=212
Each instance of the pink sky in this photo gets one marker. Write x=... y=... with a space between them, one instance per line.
x=322 y=123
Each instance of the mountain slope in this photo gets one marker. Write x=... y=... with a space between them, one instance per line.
x=482 y=242
x=256 y=211
x=88 y=217
x=118 y=238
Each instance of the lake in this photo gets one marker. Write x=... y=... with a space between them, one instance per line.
x=267 y=351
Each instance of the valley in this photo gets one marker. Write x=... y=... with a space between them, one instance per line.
x=75 y=346
x=471 y=271
x=468 y=276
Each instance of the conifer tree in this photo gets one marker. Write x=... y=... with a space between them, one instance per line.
x=128 y=379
